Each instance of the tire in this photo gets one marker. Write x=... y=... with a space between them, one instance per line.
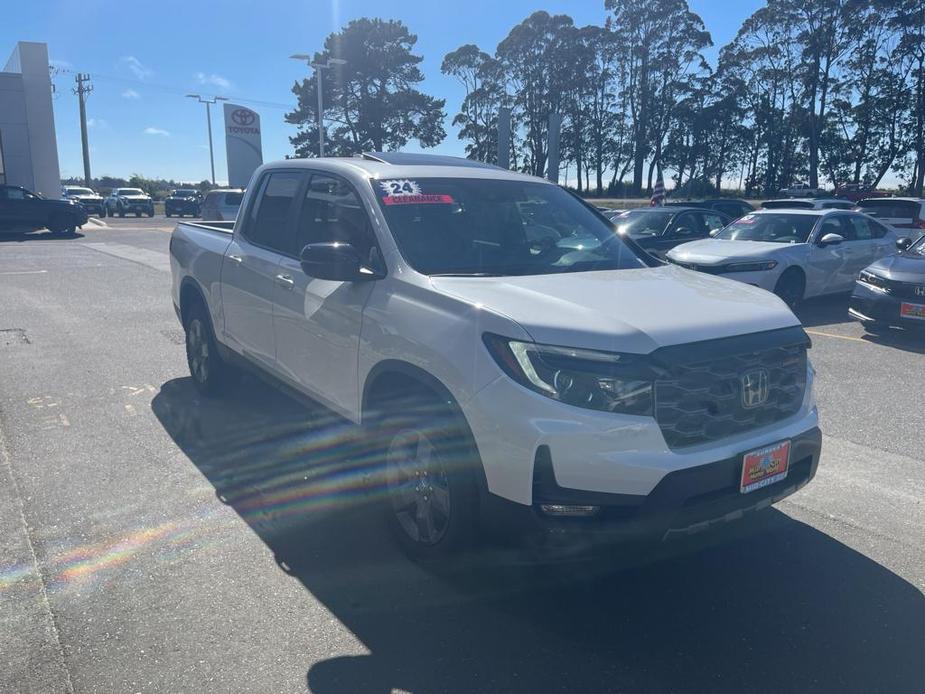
x=791 y=286
x=121 y=212
x=876 y=328
x=61 y=225
x=428 y=458
x=207 y=369
x=151 y=213
x=166 y=213
x=138 y=215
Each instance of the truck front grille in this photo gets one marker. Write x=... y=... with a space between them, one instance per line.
x=703 y=401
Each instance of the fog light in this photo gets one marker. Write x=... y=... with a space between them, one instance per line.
x=569 y=510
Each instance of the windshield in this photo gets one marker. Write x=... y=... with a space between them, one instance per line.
x=184 y=193
x=460 y=226
x=640 y=223
x=776 y=228
x=79 y=191
x=131 y=191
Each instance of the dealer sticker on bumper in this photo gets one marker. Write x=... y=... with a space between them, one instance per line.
x=916 y=311
x=765 y=466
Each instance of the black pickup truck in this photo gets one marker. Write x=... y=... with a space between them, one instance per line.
x=183 y=201
x=22 y=210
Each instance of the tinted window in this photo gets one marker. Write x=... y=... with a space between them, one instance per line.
x=713 y=221
x=776 y=228
x=687 y=225
x=837 y=205
x=332 y=211
x=15 y=194
x=472 y=226
x=233 y=198
x=860 y=227
x=834 y=225
x=787 y=204
x=891 y=209
x=640 y=223
x=269 y=223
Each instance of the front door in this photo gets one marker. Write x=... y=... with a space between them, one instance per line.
x=251 y=265
x=317 y=321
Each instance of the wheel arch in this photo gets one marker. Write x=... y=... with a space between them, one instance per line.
x=390 y=374
x=191 y=293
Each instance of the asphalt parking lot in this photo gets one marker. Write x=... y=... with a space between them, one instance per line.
x=152 y=540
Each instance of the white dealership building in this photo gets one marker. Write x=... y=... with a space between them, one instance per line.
x=28 y=145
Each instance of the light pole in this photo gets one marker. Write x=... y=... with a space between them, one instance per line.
x=209 y=102
x=318 y=68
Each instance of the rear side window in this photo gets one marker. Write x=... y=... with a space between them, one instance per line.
x=269 y=220
x=233 y=198
x=891 y=209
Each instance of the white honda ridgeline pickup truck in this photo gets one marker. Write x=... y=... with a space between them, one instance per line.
x=515 y=362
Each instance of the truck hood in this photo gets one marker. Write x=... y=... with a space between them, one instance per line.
x=144 y=198
x=720 y=251
x=85 y=197
x=634 y=311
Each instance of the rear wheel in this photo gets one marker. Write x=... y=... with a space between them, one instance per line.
x=167 y=214
x=61 y=225
x=791 y=286
x=206 y=366
x=150 y=213
x=429 y=461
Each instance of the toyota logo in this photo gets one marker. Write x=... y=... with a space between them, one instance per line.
x=243 y=116
x=755 y=388
x=920 y=291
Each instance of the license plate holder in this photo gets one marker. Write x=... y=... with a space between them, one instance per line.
x=764 y=466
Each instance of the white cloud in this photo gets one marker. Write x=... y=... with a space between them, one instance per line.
x=130 y=94
x=98 y=123
x=136 y=67
x=213 y=80
x=156 y=131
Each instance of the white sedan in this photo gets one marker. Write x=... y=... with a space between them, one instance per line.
x=796 y=254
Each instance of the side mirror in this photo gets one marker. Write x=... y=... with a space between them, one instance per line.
x=831 y=240
x=714 y=232
x=903 y=243
x=339 y=262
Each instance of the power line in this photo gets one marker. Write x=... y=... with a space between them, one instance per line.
x=173 y=90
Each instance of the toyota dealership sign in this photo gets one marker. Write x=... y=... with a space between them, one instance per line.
x=242 y=143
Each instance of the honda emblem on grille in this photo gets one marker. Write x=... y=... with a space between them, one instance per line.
x=920 y=291
x=754 y=388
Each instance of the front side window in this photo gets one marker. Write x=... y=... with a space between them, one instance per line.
x=775 y=228
x=860 y=227
x=16 y=194
x=269 y=223
x=713 y=221
x=332 y=211
x=472 y=226
x=918 y=248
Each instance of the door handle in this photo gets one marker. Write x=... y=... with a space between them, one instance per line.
x=285 y=281
x=235 y=258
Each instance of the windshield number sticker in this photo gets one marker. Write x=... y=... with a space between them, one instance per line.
x=399 y=187
x=748 y=219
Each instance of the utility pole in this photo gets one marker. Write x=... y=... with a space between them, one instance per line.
x=83 y=88
x=208 y=103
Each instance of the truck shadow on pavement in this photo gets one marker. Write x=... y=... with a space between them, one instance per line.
x=42 y=235
x=767 y=605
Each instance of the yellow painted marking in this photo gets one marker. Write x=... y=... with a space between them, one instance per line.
x=840 y=337
x=138 y=390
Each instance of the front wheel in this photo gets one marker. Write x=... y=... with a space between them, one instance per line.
x=122 y=213
x=429 y=468
x=790 y=287
x=150 y=213
x=167 y=214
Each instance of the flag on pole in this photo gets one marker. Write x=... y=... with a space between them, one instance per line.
x=658 y=193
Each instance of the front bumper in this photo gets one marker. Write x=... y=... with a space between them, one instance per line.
x=91 y=206
x=684 y=502
x=869 y=305
x=181 y=207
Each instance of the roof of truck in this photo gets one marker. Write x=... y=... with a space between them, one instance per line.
x=379 y=165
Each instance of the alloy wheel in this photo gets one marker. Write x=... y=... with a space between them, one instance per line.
x=419 y=488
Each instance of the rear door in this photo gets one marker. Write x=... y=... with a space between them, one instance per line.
x=251 y=265
x=317 y=321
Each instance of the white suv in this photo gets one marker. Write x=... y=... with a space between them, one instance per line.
x=511 y=358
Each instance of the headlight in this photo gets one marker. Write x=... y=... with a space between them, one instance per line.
x=875 y=281
x=585 y=378
x=751 y=267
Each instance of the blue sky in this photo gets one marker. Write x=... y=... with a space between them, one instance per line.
x=145 y=57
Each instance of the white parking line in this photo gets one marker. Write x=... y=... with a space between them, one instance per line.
x=24 y=272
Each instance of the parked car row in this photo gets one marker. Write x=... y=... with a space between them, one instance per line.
x=220 y=204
